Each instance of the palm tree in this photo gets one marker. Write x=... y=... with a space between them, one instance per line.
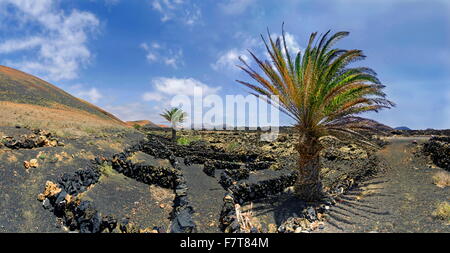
x=320 y=92
x=174 y=116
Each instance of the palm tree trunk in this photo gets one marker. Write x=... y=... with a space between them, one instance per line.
x=174 y=135
x=308 y=185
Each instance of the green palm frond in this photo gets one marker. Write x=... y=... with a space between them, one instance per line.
x=174 y=116
x=317 y=87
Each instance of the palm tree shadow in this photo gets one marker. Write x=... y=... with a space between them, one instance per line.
x=279 y=207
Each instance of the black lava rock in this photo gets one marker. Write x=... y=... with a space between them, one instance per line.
x=183 y=222
x=244 y=192
x=438 y=148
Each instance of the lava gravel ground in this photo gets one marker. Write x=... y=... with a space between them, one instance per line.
x=20 y=211
x=258 y=176
x=124 y=197
x=275 y=209
x=206 y=197
x=401 y=200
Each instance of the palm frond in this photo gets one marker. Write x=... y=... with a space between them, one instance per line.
x=317 y=88
x=174 y=116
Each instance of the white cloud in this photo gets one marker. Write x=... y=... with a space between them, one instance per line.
x=92 y=94
x=193 y=16
x=10 y=46
x=152 y=96
x=156 y=45
x=58 y=39
x=135 y=111
x=165 y=89
x=144 y=46
x=157 y=6
x=180 y=10
x=236 y=6
x=159 y=53
x=151 y=57
x=181 y=86
x=291 y=44
x=229 y=59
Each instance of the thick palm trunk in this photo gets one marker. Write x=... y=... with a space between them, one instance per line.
x=308 y=185
x=174 y=135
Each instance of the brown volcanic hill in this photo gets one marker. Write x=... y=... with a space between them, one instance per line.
x=375 y=124
x=31 y=101
x=146 y=123
x=140 y=123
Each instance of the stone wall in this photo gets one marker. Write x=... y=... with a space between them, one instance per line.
x=438 y=148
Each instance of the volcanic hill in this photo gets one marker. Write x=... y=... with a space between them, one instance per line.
x=29 y=101
x=144 y=123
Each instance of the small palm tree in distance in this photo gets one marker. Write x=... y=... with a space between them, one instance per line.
x=175 y=116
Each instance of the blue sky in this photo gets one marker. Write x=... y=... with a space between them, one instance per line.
x=131 y=56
